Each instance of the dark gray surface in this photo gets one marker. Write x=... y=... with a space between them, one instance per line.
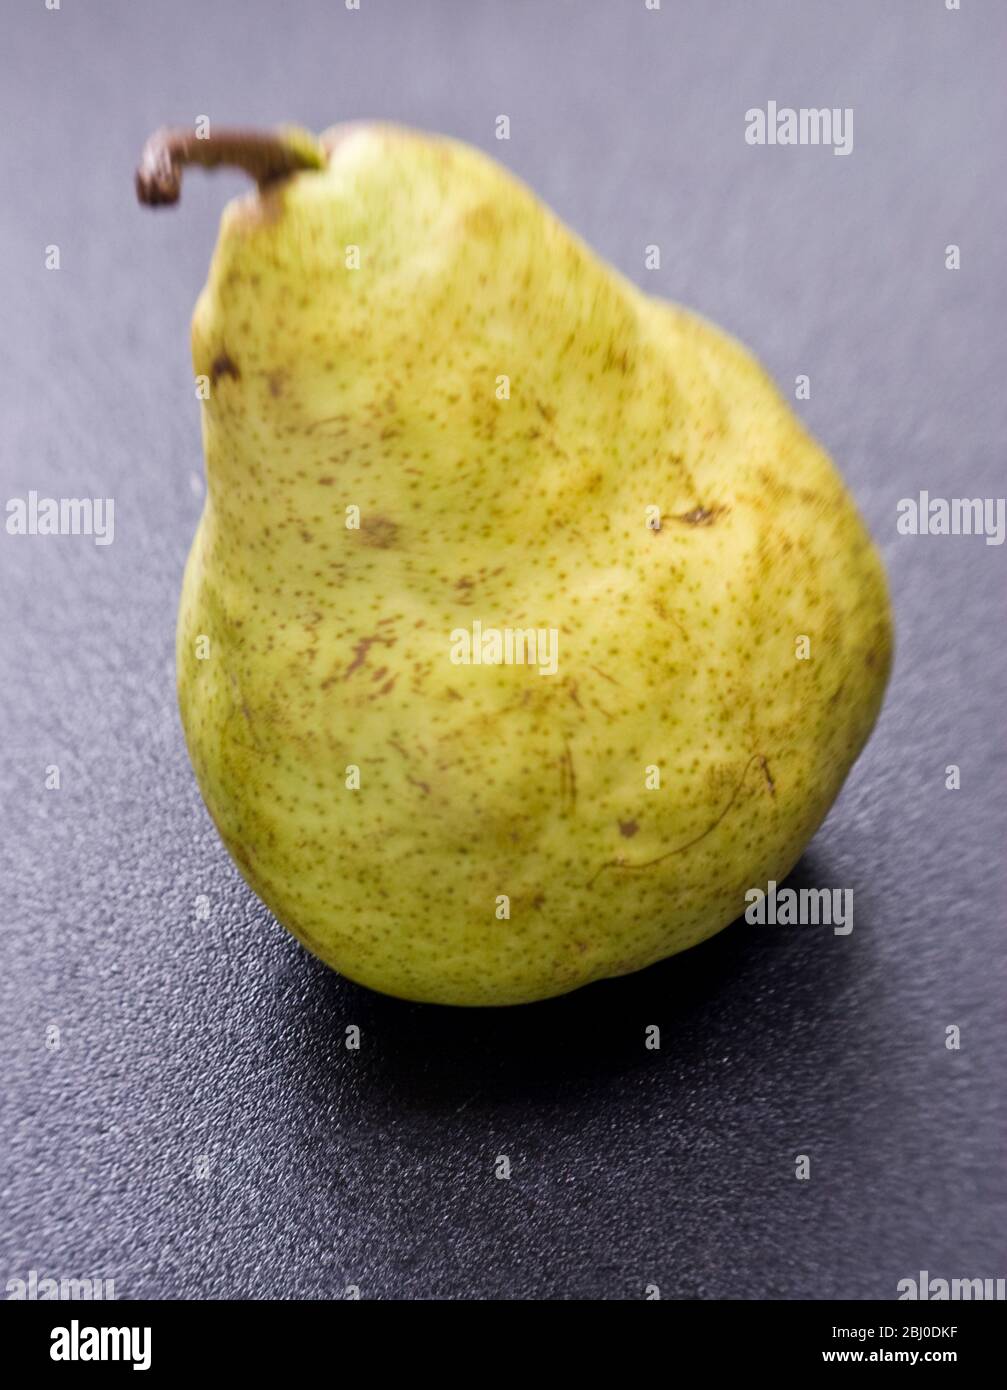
x=182 y=1039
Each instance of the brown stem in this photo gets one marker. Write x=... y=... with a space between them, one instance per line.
x=265 y=155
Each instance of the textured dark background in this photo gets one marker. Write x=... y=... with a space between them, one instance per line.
x=184 y=1042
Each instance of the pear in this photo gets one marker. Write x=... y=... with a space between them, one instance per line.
x=436 y=426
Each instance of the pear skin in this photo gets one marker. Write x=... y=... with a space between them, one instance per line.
x=431 y=405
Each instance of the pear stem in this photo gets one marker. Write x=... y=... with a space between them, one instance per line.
x=265 y=155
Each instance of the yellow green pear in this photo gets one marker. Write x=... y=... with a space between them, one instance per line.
x=525 y=628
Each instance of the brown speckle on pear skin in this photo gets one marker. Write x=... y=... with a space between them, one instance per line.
x=568 y=778
x=223 y=365
x=482 y=221
x=360 y=652
x=378 y=531
x=701 y=516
